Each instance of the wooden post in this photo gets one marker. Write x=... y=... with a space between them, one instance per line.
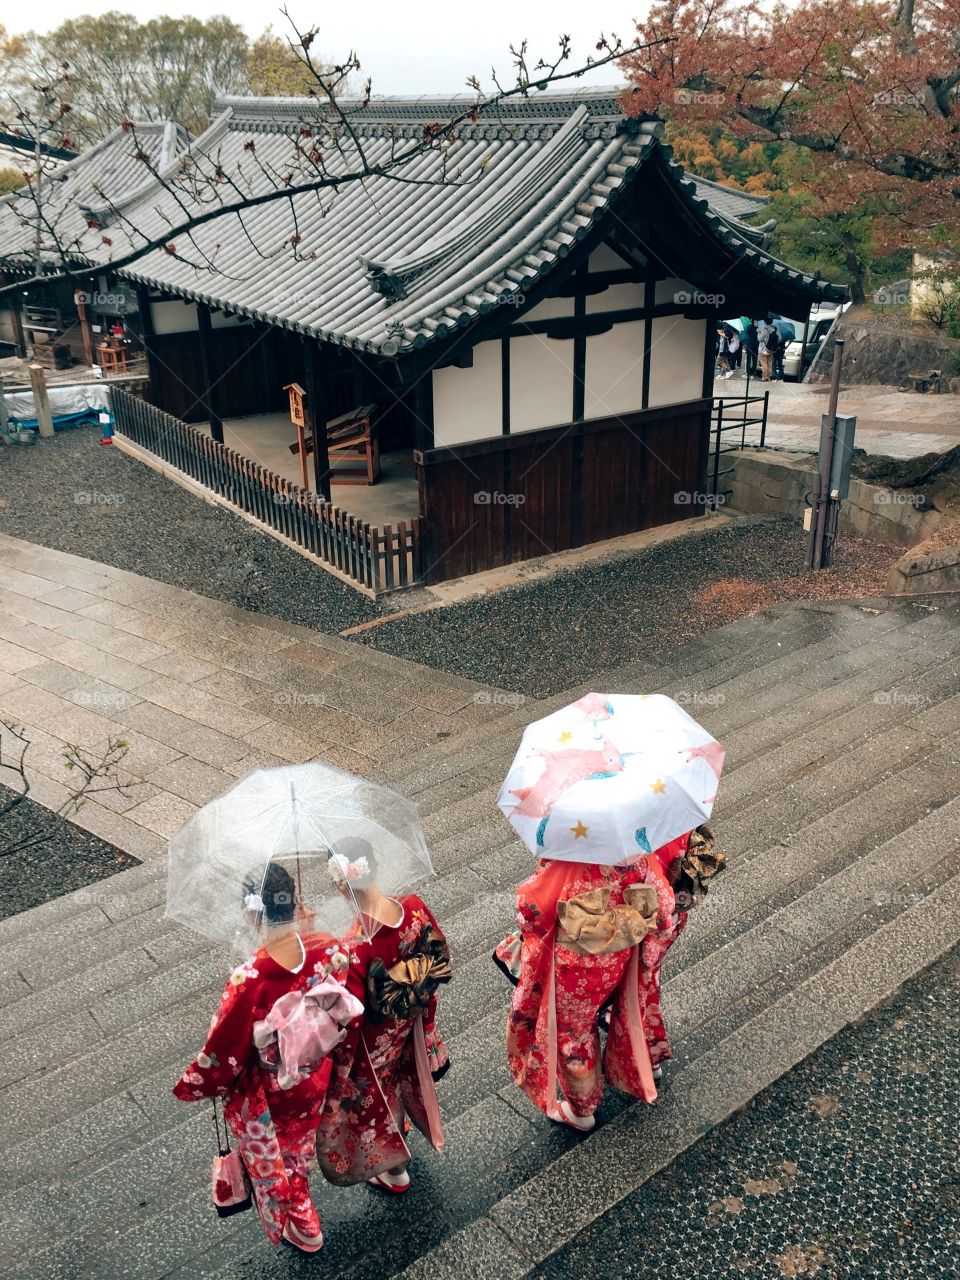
x=207 y=395
x=19 y=336
x=4 y=415
x=41 y=401
x=149 y=335
x=85 y=333
x=316 y=419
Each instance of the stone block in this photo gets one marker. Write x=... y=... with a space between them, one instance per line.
x=935 y=573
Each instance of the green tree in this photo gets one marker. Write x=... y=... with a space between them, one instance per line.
x=165 y=68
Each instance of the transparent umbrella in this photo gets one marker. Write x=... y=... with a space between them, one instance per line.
x=286 y=846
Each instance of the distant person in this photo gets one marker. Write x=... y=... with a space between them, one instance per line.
x=770 y=344
x=729 y=348
x=751 y=345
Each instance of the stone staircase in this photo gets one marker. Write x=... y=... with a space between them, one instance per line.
x=839 y=814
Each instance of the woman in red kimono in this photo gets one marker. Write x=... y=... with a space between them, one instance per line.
x=384 y=1071
x=273 y=1099
x=590 y=945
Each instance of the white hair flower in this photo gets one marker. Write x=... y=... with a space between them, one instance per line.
x=253 y=902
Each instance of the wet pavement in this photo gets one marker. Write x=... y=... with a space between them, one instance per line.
x=846 y=1168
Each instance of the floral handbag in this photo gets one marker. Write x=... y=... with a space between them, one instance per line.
x=229 y=1182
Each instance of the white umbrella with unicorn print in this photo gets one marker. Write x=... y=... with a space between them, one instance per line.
x=611 y=777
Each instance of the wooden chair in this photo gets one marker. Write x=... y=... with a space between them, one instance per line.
x=353 y=436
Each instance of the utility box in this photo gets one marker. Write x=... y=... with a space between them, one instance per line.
x=843 y=438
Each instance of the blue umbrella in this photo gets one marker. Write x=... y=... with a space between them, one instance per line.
x=786 y=328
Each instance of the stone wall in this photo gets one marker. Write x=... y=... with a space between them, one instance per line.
x=764 y=482
x=936 y=573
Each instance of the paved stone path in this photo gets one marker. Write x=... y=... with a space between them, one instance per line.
x=839 y=814
x=899 y=424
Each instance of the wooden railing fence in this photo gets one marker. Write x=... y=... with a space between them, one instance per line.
x=378 y=558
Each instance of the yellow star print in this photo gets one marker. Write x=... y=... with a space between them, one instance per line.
x=565 y=736
x=579 y=831
x=657 y=787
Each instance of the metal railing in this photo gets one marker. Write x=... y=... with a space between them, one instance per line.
x=730 y=418
x=378 y=558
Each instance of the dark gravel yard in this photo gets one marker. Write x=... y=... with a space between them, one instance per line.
x=548 y=635
x=71 y=494
x=537 y=638
x=67 y=858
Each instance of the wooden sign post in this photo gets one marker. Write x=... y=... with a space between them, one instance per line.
x=298 y=418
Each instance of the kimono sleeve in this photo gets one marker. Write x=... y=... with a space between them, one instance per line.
x=228 y=1048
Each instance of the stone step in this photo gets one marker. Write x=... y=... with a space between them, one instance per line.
x=517 y=1144
x=837 y=830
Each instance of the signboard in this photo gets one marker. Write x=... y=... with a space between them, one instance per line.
x=297 y=395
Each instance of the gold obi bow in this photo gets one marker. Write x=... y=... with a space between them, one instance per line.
x=588 y=925
x=406 y=989
x=701 y=862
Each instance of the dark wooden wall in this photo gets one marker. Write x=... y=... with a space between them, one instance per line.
x=580 y=483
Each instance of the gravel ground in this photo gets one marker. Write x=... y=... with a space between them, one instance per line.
x=546 y=636
x=845 y=1169
x=67 y=859
x=71 y=494
x=537 y=638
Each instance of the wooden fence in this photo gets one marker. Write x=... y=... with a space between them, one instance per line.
x=378 y=558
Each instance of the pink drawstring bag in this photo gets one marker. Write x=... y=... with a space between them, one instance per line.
x=229 y=1183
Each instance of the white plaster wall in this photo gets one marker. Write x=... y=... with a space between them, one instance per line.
x=668 y=289
x=467 y=403
x=605 y=259
x=174 y=317
x=550 y=309
x=541 y=383
x=676 y=360
x=615 y=297
x=614 y=382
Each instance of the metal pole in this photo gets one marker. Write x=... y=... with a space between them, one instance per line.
x=716 y=455
x=825 y=461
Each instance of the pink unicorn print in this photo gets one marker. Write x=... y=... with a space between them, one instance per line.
x=562 y=770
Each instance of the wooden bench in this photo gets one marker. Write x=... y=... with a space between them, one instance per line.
x=353 y=436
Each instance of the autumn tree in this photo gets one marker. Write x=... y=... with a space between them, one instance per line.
x=868 y=91
x=275 y=69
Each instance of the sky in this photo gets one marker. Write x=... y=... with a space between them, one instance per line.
x=426 y=47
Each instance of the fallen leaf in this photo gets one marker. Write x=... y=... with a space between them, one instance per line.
x=824 y=1105
x=789 y=1168
x=795 y=1261
x=762 y=1186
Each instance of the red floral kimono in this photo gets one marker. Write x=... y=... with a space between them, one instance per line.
x=553 y=1035
x=385 y=1069
x=274 y=1128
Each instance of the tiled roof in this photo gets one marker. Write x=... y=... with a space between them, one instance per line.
x=109 y=171
x=390 y=264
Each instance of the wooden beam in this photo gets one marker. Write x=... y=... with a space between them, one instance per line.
x=316 y=415
x=149 y=334
x=208 y=392
x=580 y=347
x=85 y=334
x=19 y=336
x=422 y=406
x=505 y=386
x=649 y=299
